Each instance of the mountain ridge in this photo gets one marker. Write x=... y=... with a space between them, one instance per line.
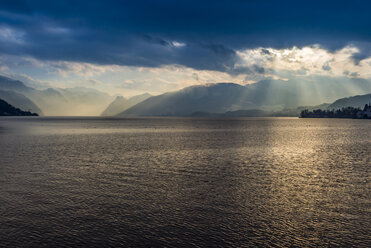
x=357 y=101
x=7 y=109
x=120 y=104
x=266 y=95
x=57 y=101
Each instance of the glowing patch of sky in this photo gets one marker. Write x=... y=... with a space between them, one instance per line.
x=130 y=80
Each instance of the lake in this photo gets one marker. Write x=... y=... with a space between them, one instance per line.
x=180 y=182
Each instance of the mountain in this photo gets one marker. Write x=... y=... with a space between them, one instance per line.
x=18 y=100
x=267 y=95
x=215 y=98
x=237 y=113
x=76 y=101
x=358 y=101
x=321 y=106
x=56 y=101
x=13 y=85
x=120 y=104
x=116 y=106
x=303 y=91
x=8 y=110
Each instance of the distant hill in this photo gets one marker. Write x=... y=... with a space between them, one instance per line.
x=303 y=91
x=266 y=95
x=216 y=98
x=18 y=100
x=321 y=106
x=56 y=101
x=8 y=110
x=13 y=85
x=70 y=101
x=237 y=113
x=358 y=101
x=349 y=107
x=120 y=104
x=269 y=95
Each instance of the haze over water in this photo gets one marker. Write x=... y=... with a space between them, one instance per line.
x=174 y=182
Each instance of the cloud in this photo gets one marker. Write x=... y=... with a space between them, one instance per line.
x=10 y=35
x=326 y=67
x=354 y=74
x=167 y=45
x=304 y=61
x=242 y=67
x=203 y=35
x=178 y=44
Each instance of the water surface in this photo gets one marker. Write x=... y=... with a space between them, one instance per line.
x=106 y=182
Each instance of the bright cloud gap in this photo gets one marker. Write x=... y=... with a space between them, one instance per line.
x=252 y=65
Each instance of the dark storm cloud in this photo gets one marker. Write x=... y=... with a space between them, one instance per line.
x=251 y=70
x=354 y=74
x=326 y=67
x=265 y=51
x=142 y=33
x=363 y=53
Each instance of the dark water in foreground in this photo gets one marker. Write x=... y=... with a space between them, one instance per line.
x=185 y=182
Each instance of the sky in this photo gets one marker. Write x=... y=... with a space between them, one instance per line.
x=131 y=47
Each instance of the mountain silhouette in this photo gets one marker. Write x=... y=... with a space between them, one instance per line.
x=214 y=98
x=8 y=110
x=18 y=100
x=57 y=101
x=266 y=95
x=358 y=101
x=120 y=104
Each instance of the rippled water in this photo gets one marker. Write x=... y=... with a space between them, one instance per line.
x=176 y=182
